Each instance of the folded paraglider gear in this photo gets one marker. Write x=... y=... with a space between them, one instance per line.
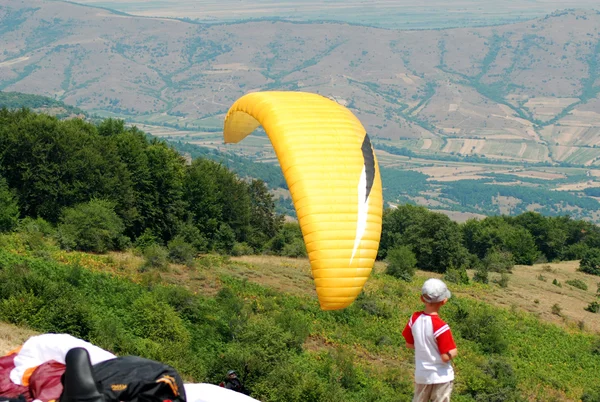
x=20 y=398
x=135 y=379
x=79 y=384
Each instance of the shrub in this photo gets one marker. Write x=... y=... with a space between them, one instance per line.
x=145 y=240
x=556 y=283
x=541 y=278
x=481 y=275
x=37 y=235
x=295 y=249
x=556 y=310
x=241 y=249
x=577 y=283
x=590 y=263
x=494 y=381
x=482 y=326
x=192 y=235
x=498 y=261
x=92 y=226
x=503 y=281
x=181 y=252
x=593 y=307
x=548 y=268
x=401 y=263
x=156 y=258
x=156 y=320
x=458 y=276
x=591 y=395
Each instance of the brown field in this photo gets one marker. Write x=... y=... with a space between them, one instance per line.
x=536 y=174
x=578 y=186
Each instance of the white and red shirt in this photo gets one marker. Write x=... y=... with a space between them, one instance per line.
x=432 y=338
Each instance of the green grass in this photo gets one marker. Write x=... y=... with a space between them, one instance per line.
x=261 y=317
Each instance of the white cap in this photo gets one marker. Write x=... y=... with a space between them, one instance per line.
x=435 y=291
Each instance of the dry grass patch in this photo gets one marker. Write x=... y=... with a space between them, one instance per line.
x=12 y=336
x=531 y=289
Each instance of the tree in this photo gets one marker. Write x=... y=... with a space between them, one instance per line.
x=401 y=263
x=91 y=226
x=434 y=238
x=590 y=263
x=9 y=208
x=264 y=221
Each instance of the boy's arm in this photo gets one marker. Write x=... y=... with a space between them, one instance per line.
x=446 y=344
x=408 y=336
x=446 y=357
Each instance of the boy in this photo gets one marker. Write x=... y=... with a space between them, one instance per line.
x=434 y=345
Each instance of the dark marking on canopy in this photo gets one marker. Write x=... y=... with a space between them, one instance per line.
x=369 y=157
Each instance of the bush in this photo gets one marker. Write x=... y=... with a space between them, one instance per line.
x=92 y=226
x=156 y=258
x=495 y=381
x=556 y=283
x=458 y=276
x=401 y=263
x=191 y=234
x=498 y=261
x=481 y=276
x=241 y=249
x=145 y=240
x=556 y=310
x=480 y=325
x=577 y=283
x=503 y=281
x=296 y=249
x=590 y=263
x=593 y=307
x=181 y=252
x=591 y=395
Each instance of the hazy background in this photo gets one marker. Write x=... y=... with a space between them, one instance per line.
x=405 y=14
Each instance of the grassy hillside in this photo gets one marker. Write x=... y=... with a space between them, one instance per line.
x=260 y=316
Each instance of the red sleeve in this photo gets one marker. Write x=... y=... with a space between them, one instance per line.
x=443 y=336
x=407 y=333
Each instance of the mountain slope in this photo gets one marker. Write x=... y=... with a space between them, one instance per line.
x=526 y=91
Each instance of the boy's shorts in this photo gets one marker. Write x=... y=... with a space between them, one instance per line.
x=434 y=392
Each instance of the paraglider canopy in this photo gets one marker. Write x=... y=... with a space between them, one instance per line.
x=331 y=170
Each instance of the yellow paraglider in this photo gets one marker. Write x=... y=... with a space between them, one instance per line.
x=332 y=173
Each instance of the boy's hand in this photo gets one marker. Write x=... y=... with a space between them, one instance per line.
x=446 y=357
x=410 y=345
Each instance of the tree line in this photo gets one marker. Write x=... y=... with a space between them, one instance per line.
x=104 y=186
x=414 y=237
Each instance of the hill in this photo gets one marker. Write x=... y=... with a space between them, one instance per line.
x=40 y=104
x=260 y=316
x=512 y=109
x=524 y=92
